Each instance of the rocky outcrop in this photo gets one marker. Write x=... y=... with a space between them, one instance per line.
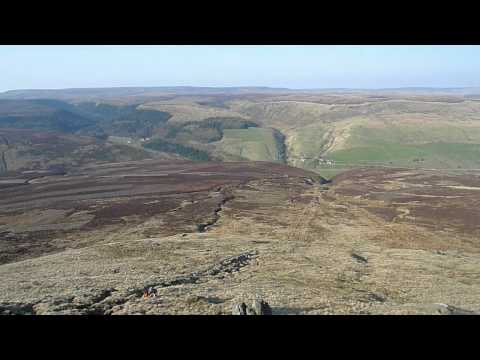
x=316 y=180
x=16 y=309
x=106 y=301
x=258 y=307
x=229 y=265
x=445 y=309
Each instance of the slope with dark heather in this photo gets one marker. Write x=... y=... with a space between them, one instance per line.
x=45 y=212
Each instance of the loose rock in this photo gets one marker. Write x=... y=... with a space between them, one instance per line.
x=261 y=307
x=239 y=309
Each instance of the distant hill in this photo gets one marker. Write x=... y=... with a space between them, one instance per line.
x=96 y=93
x=320 y=130
x=125 y=92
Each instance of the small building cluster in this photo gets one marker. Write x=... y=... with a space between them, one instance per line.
x=319 y=160
x=325 y=161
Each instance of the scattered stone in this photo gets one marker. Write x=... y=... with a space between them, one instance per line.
x=7 y=235
x=193 y=299
x=308 y=181
x=214 y=300
x=201 y=227
x=359 y=258
x=377 y=297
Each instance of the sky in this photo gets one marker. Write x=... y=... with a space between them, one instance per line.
x=297 y=67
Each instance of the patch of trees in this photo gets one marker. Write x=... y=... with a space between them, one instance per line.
x=87 y=118
x=124 y=120
x=140 y=123
x=61 y=120
x=207 y=130
x=220 y=123
x=103 y=111
x=218 y=103
x=182 y=150
x=280 y=143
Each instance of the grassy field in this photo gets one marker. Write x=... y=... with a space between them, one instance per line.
x=445 y=145
x=395 y=134
x=437 y=155
x=258 y=144
x=414 y=133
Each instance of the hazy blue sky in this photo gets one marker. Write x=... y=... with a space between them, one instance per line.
x=23 y=67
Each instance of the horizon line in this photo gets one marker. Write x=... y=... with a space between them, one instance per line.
x=243 y=87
